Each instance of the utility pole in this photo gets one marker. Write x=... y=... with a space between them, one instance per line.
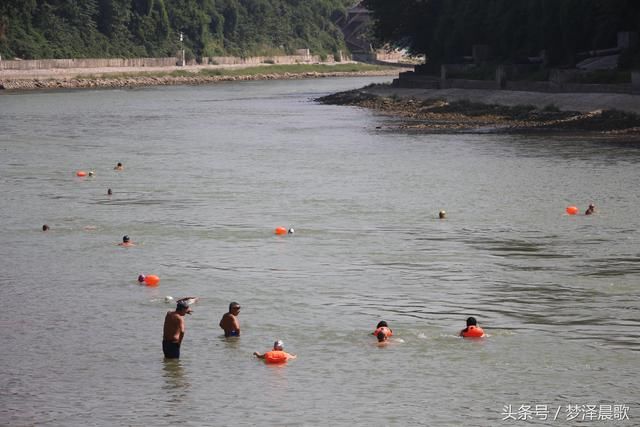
x=182 y=48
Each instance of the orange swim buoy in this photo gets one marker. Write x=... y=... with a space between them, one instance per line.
x=473 y=332
x=280 y=231
x=572 y=210
x=275 y=356
x=81 y=173
x=151 y=280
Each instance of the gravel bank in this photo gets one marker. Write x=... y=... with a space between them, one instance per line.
x=475 y=111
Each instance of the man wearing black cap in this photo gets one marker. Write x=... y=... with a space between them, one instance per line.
x=174 y=330
x=229 y=322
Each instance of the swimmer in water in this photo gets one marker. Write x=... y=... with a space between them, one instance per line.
x=118 y=167
x=229 y=322
x=126 y=241
x=109 y=192
x=590 y=210
x=472 y=330
x=383 y=339
x=277 y=355
x=91 y=173
x=442 y=215
x=174 y=329
x=291 y=231
x=45 y=227
x=382 y=328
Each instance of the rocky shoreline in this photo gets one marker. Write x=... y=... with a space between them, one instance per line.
x=142 y=80
x=439 y=113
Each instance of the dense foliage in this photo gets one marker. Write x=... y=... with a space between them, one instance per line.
x=445 y=30
x=150 y=28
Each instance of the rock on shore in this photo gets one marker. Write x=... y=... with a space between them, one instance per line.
x=161 y=80
x=438 y=111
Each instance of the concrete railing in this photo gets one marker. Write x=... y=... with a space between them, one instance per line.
x=47 y=64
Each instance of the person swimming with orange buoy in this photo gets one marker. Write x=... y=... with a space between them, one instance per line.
x=382 y=328
x=590 y=210
x=277 y=355
x=126 y=241
x=472 y=330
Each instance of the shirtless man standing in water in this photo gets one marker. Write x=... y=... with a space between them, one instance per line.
x=229 y=321
x=174 y=330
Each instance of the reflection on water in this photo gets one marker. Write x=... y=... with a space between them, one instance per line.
x=175 y=382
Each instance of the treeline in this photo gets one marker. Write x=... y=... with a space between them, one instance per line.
x=446 y=30
x=37 y=29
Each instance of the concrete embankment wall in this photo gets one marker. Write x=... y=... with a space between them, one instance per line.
x=48 y=64
x=284 y=59
x=412 y=80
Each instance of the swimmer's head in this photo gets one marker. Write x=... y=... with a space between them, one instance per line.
x=234 y=306
x=278 y=345
x=591 y=206
x=125 y=239
x=119 y=165
x=381 y=336
x=183 y=306
x=45 y=227
x=382 y=324
x=442 y=214
x=291 y=231
x=141 y=278
x=109 y=192
x=90 y=173
x=471 y=321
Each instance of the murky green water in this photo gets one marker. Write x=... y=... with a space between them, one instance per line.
x=210 y=171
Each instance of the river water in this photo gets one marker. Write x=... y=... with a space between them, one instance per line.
x=210 y=171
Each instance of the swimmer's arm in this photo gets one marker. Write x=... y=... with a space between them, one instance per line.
x=291 y=356
x=236 y=325
x=258 y=355
x=181 y=320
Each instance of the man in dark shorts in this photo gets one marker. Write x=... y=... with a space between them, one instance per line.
x=174 y=330
x=229 y=322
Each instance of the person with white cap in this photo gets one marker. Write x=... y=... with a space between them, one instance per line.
x=277 y=355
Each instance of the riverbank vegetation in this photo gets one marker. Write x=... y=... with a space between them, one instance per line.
x=39 y=29
x=272 y=70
